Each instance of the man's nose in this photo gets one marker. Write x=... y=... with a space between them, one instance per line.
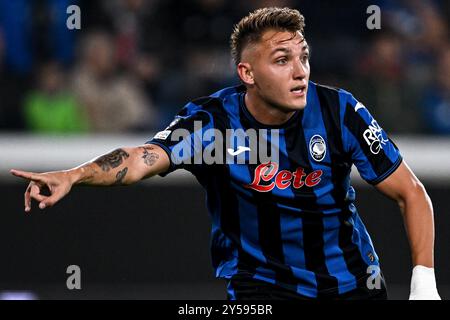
x=299 y=70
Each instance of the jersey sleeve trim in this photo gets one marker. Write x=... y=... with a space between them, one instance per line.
x=169 y=154
x=390 y=171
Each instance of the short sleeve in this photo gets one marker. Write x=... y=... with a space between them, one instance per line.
x=183 y=138
x=374 y=154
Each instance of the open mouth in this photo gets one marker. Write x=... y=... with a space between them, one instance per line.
x=299 y=90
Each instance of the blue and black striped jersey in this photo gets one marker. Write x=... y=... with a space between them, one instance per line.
x=293 y=221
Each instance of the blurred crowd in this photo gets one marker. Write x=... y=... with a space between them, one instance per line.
x=135 y=63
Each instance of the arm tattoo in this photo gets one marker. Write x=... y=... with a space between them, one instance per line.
x=150 y=157
x=112 y=159
x=120 y=175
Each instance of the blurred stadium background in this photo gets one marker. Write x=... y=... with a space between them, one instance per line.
x=69 y=95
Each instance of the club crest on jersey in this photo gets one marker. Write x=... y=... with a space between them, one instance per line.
x=317 y=148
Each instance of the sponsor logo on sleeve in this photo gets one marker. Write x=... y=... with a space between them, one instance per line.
x=162 y=135
x=373 y=136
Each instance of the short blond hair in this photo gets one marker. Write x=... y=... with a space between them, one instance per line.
x=252 y=26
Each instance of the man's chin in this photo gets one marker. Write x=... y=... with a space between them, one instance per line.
x=290 y=105
x=293 y=107
x=300 y=104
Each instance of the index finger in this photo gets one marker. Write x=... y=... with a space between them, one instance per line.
x=26 y=175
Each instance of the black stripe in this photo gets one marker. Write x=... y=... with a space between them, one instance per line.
x=312 y=224
x=187 y=124
x=340 y=161
x=340 y=169
x=229 y=219
x=314 y=254
x=229 y=209
x=269 y=227
x=216 y=179
x=356 y=125
x=352 y=255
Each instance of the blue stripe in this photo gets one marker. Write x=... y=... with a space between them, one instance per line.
x=361 y=238
x=219 y=241
x=224 y=92
x=313 y=125
x=230 y=291
x=334 y=256
x=365 y=169
x=227 y=268
x=248 y=213
x=334 y=259
x=391 y=152
x=292 y=231
x=196 y=144
x=265 y=274
x=248 y=219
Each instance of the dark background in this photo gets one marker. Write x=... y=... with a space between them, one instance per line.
x=135 y=63
x=151 y=241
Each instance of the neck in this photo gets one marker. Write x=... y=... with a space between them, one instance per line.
x=265 y=113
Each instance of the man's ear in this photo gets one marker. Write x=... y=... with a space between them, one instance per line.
x=244 y=70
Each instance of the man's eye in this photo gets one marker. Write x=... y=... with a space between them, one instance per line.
x=281 y=61
x=305 y=58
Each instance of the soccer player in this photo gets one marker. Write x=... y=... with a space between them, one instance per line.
x=285 y=228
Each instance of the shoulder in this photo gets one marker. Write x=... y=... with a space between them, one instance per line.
x=215 y=105
x=336 y=98
x=327 y=93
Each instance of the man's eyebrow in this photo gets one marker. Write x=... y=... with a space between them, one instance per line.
x=287 y=50
x=284 y=50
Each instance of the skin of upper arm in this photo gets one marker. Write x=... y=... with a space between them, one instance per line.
x=148 y=160
x=401 y=185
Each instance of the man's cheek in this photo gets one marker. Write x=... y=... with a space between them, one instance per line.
x=308 y=70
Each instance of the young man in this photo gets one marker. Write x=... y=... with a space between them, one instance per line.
x=286 y=228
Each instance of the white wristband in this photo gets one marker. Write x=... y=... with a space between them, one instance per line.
x=423 y=284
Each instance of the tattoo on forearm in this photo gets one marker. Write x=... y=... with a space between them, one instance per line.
x=150 y=157
x=120 y=175
x=112 y=159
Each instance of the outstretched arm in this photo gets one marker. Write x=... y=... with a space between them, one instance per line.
x=121 y=166
x=417 y=210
